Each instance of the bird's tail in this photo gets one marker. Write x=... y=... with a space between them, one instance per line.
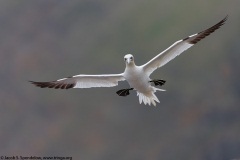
x=149 y=98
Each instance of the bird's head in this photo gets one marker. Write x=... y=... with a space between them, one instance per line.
x=129 y=59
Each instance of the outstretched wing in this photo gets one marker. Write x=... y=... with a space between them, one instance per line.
x=178 y=47
x=83 y=81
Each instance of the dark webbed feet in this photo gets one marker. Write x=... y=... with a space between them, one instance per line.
x=124 y=92
x=158 y=82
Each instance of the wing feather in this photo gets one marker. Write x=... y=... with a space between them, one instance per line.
x=178 y=47
x=83 y=81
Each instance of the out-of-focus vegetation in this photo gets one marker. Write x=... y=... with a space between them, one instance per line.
x=198 y=117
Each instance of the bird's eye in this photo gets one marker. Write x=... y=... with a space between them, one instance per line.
x=125 y=59
x=131 y=58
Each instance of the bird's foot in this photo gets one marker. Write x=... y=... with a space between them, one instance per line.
x=124 y=92
x=158 y=82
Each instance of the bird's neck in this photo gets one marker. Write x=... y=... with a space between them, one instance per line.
x=130 y=65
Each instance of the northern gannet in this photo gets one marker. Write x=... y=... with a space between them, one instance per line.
x=138 y=77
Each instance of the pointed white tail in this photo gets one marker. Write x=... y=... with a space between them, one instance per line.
x=150 y=98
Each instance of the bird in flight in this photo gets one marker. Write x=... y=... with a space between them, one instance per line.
x=138 y=77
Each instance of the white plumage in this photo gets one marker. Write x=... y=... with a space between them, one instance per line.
x=138 y=77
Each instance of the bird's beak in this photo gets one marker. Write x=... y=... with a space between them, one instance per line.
x=128 y=61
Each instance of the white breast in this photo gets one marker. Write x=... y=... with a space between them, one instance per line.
x=137 y=79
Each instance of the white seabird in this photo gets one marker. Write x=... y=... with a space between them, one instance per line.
x=138 y=77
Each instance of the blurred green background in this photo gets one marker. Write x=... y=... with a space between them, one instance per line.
x=198 y=117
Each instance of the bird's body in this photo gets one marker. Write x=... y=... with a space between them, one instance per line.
x=138 y=77
x=140 y=81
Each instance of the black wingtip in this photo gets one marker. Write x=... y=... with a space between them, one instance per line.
x=226 y=17
x=224 y=20
x=53 y=84
x=201 y=35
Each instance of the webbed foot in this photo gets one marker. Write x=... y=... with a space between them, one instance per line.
x=158 y=82
x=124 y=92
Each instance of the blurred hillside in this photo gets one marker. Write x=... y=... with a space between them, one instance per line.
x=198 y=117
